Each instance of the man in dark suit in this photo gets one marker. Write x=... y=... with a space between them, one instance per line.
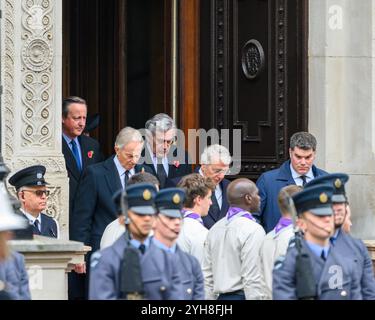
x=161 y=156
x=79 y=150
x=298 y=170
x=94 y=208
x=215 y=161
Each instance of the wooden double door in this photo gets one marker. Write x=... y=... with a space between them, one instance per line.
x=235 y=64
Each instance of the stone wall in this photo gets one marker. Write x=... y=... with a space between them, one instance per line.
x=31 y=71
x=341 y=97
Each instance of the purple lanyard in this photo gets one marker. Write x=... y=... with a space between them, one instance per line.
x=235 y=211
x=282 y=224
x=192 y=215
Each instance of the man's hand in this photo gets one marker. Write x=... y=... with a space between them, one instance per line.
x=80 y=268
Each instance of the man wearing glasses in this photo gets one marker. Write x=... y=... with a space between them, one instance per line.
x=32 y=192
x=166 y=159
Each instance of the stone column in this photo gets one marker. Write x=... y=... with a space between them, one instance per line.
x=342 y=96
x=31 y=56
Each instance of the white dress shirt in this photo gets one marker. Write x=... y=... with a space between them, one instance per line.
x=121 y=171
x=39 y=218
x=297 y=177
x=155 y=161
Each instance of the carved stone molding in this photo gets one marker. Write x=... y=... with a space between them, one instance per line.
x=37 y=57
x=7 y=73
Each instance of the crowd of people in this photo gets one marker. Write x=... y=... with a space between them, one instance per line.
x=160 y=230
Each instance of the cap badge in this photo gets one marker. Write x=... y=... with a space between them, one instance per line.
x=323 y=198
x=338 y=183
x=146 y=195
x=176 y=199
x=39 y=175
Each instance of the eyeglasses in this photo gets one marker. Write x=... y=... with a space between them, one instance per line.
x=39 y=193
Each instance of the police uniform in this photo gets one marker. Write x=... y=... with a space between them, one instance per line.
x=345 y=244
x=34 y=176
x=169 y=203
x=159 y=271
x=335 y=278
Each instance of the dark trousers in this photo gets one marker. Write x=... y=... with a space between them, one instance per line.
x=237 y=295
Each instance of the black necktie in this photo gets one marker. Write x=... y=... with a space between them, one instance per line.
x=126 y=178
x=215 y=206
x=303 y=180
x=162 y=175
x=142 y=248
x=36 y=227
x=76 y=154
x=323 y=256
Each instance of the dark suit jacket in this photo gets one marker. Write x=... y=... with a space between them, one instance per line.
x=213 y=215
x=93 y=207
x=269 y=185
x=174 y=170
x=87 y=144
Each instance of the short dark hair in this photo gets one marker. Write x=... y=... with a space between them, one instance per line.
x=143 y=177
x=303 y=140
x=194 y=186
x=285 y=192
x=68 y=101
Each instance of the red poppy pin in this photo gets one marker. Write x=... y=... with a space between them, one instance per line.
x=90 y=154
x=176 y=163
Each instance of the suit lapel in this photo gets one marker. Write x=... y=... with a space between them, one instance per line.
x=70 y=160
x=112 y=177
x=148 y=160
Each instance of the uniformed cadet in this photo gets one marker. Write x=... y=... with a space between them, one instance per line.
x=231 y=265
x=343 y=243
x=276 y=241
x=156 y=277
x=32 y=192
x=13 y=275
x=334 y=275
x=166 y=230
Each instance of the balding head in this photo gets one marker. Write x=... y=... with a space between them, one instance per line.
x=243 y=193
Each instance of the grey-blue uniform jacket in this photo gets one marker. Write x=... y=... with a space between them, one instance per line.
x=13 y=273
x=351 y=246
x=336 y=278
x=191 y=276
x=160 y=273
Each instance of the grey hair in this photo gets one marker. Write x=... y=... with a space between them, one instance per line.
x=160 y=121
x=303 y=140
x=68 y=101
x=216 y=152
x=127 y=135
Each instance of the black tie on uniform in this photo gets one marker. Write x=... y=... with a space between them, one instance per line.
x=36 y=227
x=142 y=248
x=162 y=175
x=304 y=181
x=323 y=256
x=126 y=178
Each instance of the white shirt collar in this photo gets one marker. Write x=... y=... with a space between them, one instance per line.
x=296 y=175
x=121 y=170
x=32 y=218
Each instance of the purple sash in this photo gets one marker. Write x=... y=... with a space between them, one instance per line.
x=282 y=224
x=192 y=215
x=239 y=212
